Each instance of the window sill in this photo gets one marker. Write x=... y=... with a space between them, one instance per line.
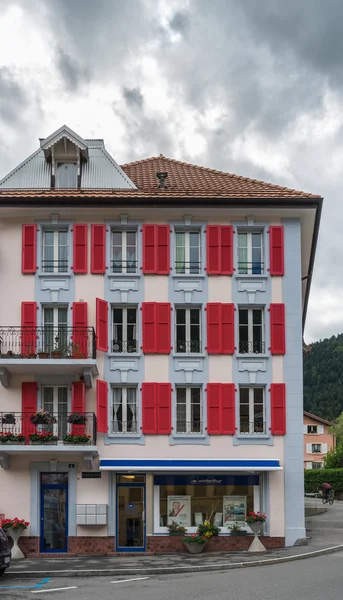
x=57 y=275
x=252 y=276
x=191 y=355
x=187 y=436
x=126 y=436
x=185 y=276
x=253 y=436
x=124 y=354
x=126 y=275
x=251 y=355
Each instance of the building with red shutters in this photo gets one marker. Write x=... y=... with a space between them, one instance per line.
x=150 y=350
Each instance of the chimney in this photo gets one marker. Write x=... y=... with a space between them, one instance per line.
x=161 y=176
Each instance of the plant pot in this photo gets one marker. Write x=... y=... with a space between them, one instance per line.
x=194 y=548
x=256 y=527
x=15 y=535
x=80 y=421
x=13 y=443
x=43 y=355
x=39 y=421
x=56 y=354
x=238 y=533
x=32 y=355
x=8 y=420
x=175 y=533
x=41 y=443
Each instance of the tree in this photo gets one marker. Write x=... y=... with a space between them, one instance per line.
x=337 y=428
x=334 y=458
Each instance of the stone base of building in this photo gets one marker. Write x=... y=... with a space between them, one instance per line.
x=159 y=544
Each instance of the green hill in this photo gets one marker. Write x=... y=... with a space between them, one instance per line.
x=323 y=378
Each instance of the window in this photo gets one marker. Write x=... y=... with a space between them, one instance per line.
x=251 y=410
x=188 y=332
x=124 y=252
x=66 y=175
x=55 y=329
x=312 y=429
x=124 y=337
x=55 y=401
x=187 y=253
x=250 y=253
x=317 y=465
x=55 y=251
x=251 y=331
x=188 y=410
x=124 y=410
x=316 y=448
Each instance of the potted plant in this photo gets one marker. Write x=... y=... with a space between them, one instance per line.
x=207 y=529
x=43 y=437
x=76 y=439
x=42 y=417
x=42 y=353
x=236 y=529
x=14 y=528
x=8 y=419
x=255 y=521
x=73 y=351
x=56 y=353
x=77 y=418
x=176 y=529
x=32 y=355
x=194 y=542
x=7 y=437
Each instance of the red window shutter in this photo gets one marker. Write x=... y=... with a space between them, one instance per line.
x=226 y=254
x=227 y=328
x=149 y=248
x=29 y=249
x=213 y=328
x=278 y=408
x=213 y=408
x=149 y=402
x=228 y=421
x=28 y=406
x=277 y=329
x=98 y=239
x=80 y=334
x=149 y=320
x=80 y=248
x=276 y=250
x=101 y=325
x=213 y=249
x=28 y=327
x=164 y=408
x=163 y=250
x=78 y=405
x=101 y=406
x=163 y=327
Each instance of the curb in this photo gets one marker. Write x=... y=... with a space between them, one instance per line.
x=173 y=570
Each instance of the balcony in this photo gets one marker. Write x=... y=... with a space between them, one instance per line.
x=127 y=347
x=253 y=428
x=38 y=350
x=250 y=268
x=189 y=427
x=188 y=347
x=257 y=347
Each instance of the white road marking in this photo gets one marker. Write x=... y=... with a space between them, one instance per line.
x=72 y=587
x=126 y=580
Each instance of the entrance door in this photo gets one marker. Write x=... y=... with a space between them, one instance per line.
x=130 y=535
x=54 y=512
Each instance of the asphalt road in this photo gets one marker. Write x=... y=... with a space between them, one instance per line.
x=311 y=579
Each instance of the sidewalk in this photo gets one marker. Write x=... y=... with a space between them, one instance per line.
x=325 y=532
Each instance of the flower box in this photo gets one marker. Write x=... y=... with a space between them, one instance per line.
x=8 y=419
x=12 y=442
x=42 y=443
x=238 y=532
x=176 y=533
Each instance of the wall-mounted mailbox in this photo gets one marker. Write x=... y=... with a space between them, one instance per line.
x=91 y=514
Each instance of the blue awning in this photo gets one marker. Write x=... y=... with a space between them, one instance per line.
x=164 y=465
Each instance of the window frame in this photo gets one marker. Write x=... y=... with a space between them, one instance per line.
x=312 y=432
x=187 y=247
x=188 y=411
x=249 y=246
x=251 y=326
x=58 y=163
x=124 y=394
x=187 y=325
x=55 y=267
x=124 y=268
x=53 y=428
x=313 y=451
x=124 y=309
x=251 y=405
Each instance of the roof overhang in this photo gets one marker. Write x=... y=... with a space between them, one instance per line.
x=188 y=466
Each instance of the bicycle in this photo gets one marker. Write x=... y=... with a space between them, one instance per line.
x=328 y=497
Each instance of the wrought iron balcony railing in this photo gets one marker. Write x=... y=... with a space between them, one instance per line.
x=69 y=425
x=194 y=426
x=250 y=268
x=124 y=266
x=55 y=266
x=187 y=268
x=47 y=342
x=251 y=347
x=120 y=346
x=188 y=346
x=253 y=428
x=119 y=426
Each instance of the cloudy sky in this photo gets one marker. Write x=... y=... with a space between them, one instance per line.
x=253 y=87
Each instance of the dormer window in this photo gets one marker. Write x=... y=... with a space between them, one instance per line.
x=66 y=175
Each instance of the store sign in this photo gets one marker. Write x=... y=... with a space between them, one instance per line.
x=91 y=475
x=204 y=480
x=219 y=479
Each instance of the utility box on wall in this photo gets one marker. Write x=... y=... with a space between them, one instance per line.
x=91 y=514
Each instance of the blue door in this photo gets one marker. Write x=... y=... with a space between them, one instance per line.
x=130 y=526
x=54 y=512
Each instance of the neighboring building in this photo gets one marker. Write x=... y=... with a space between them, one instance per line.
x=317 y=440
x=164 y=304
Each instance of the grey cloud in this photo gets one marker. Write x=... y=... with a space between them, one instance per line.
x=133 y=96
x=180 y=22
x=73 y=73
x=12 y=95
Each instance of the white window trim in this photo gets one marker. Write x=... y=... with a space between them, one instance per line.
x=249 y=235
x=316 y=451
x=158 y=529
x=124 y=233
x=55 y=246
x=188 y=251
x=124 y=410
x=251 y=328
x=189 y=411
x=188 y=328
x=251 y=407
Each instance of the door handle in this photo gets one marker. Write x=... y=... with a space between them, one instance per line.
x=143 y=515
